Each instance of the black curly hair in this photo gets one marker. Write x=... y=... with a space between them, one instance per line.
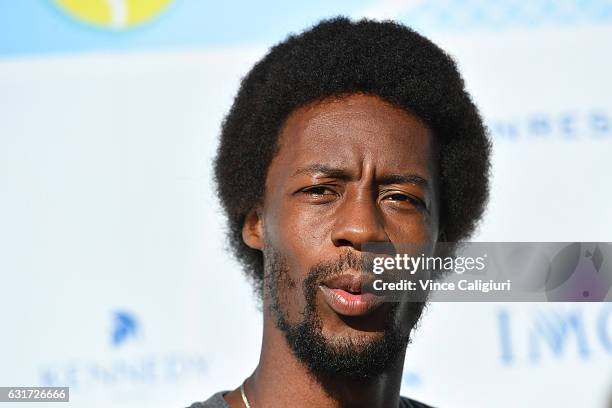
x=341 y=57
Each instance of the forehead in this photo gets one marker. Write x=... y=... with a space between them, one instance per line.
x=355 y=129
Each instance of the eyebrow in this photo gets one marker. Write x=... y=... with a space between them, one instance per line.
x=338 y=173
x=324 y=170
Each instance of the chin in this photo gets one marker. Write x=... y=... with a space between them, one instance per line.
x=372 y=325
x=350 y=336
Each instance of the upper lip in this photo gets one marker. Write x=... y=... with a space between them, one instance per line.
x=355 y=282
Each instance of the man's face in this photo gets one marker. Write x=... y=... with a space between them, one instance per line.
x=347 y=172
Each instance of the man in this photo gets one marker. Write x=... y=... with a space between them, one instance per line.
x=347 y=134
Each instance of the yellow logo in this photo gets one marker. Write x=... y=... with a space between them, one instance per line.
x=114 y=14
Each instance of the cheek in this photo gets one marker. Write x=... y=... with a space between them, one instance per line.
x=299 y=234
x=298 y=239
x=412 y=229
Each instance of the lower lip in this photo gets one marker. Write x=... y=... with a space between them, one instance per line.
x=350 y=304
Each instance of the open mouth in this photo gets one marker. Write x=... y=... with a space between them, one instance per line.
x=346 y=295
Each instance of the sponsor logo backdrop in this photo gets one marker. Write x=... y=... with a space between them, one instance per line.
x=114 y=277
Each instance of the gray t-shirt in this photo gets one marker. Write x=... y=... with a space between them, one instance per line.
x=217 y=401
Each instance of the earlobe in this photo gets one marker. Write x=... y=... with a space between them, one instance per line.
x=252 y=230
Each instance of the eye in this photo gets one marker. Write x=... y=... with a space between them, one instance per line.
x=319 y=194
x=404 y=199
x=398 y=197
x=318 y=191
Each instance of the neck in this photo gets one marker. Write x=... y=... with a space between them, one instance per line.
x=281 y=380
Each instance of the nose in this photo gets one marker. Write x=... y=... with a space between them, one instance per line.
x=358 y=222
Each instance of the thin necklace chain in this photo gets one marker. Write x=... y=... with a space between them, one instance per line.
x=243 y=394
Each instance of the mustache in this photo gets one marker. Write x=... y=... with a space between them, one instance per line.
x=347 y=260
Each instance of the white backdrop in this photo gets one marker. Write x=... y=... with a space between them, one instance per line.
x=115 y=280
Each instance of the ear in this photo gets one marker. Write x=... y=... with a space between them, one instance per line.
x=252 y=230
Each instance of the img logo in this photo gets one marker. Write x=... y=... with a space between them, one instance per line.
x=125 y=327
x=113 y=14
x=555 y=333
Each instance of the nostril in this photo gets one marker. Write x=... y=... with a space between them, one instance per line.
x=343 y=242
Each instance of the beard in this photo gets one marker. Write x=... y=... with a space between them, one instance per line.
x=352 y=357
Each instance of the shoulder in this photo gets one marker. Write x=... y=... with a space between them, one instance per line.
x=410 y=403
x=215 y=401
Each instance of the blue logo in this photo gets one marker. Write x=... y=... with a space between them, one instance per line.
x=595 y=124
x=125 y=326
x=555 y=334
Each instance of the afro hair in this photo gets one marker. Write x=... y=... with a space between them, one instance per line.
x=340 y=57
